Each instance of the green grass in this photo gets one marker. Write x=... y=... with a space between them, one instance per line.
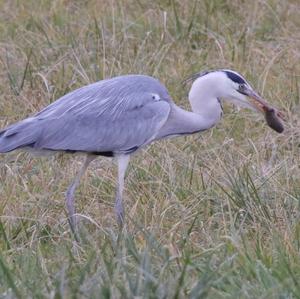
x=215 y=215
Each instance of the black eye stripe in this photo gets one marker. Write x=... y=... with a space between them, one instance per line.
x=231 y=75
x=234 y=77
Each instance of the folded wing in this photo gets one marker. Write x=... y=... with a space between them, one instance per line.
x=116 y=115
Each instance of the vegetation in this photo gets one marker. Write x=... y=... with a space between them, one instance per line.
x=214 y=215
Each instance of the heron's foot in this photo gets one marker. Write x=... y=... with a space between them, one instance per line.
x=119 y=211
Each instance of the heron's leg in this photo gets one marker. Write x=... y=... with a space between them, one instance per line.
x=71 y=190
x=123 y=161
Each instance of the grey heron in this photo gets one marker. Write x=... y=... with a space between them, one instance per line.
x=116 y=117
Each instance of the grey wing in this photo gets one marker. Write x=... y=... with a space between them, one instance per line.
x=109 y=132
x=117 y=115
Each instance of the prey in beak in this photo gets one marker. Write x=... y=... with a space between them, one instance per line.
x=273 y=117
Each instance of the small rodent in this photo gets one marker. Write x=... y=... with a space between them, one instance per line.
x=273 y=120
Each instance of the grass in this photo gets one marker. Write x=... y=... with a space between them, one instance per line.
x=215 y=215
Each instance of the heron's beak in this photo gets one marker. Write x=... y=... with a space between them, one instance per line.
x=273 y=117
x=256 y=100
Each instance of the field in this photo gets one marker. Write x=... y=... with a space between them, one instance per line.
x=213 y=215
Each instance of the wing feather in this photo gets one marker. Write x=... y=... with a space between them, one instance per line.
x=111 y=115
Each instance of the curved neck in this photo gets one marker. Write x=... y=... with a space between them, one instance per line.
x=182 y=122
x=204 y=101
x=206 y=108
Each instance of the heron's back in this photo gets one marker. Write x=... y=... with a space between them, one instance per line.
x=118 y=114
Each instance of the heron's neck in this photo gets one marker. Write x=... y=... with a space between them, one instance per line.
x=183 y=122
x=206 y=112
x=204 y=101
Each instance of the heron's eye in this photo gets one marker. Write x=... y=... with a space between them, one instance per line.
x=242 y=88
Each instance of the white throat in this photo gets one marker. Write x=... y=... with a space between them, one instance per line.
x=203 y=97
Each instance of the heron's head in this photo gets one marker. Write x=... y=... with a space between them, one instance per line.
x=231 y=86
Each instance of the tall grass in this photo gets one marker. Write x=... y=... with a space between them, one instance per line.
x=215 y=215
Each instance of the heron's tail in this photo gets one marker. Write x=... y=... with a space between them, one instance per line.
x=18 y=135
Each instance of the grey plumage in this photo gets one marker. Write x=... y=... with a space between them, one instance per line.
x=20 y=134
x=115 y=117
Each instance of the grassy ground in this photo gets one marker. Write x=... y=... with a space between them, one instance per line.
x=214 y=215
